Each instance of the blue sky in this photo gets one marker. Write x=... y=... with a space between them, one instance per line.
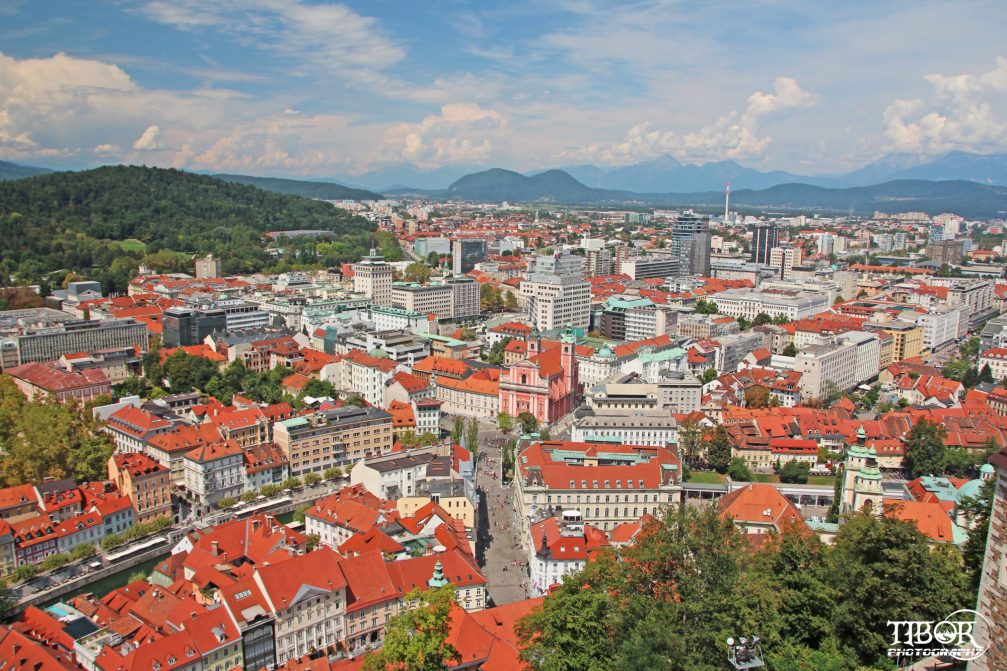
x=300 y=87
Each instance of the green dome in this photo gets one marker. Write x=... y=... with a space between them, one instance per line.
x=986 y=468
x=971 y=489
x=378 y=353
x=606 y=352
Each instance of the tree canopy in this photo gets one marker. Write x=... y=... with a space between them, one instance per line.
x=692 y=579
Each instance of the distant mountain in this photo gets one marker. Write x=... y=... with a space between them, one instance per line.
x=969 y=199
x=666 y=173
x=296 y=187
x=10 y=171
x=555 y=186
x=408 y=176
x=955 y=165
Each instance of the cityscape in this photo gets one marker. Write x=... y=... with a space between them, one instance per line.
x=278 y=395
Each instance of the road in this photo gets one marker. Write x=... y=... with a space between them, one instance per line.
x=498 y=547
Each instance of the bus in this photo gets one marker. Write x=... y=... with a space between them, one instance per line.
x=256 y=507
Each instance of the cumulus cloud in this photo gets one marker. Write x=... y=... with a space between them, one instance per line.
x=733 y=135
x=148 y=139
x=106 y=149
x=328 y=34
x=959 y=115
x=460 y=133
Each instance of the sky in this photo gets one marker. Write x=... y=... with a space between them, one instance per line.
x=312 y=88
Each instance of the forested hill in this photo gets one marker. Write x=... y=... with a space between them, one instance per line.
x=298 y=187
x=77 y=221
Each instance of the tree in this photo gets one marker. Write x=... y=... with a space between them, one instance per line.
x=739 y=470
x=6 y=599
x=790 y=350
x=704 y=307
x=136 y=576
x=761 y=319
x=428 y=438
x=718 y=449
x=457 y=430
x=416 y=638
x=417 y=272
x=332 y=473
x=291 y=483
x=312 y=479
x=986 y=375
x=408 y=439
x=433 y=259
x=977 y=512
x=505 y=422
x=356 y=400
x=757 y=396
x=509 y=301
x=496 y=353
x=490 y=299
x=131 y=386
x=528 y=423
x=319 y=389
x=925 y=452
x=708 y=376
x=690 y=440
x=472 y=435
x=795 y=472
x=185 y=372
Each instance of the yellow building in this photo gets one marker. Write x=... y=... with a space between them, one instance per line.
x=907 y=339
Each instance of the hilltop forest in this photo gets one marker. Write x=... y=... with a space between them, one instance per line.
x=102 y=223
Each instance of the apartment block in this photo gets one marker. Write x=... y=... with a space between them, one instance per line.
x=337 y=437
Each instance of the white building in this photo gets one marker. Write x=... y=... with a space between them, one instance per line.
x=749 y=303
x=996 y=359
x=212 y=472
x=559 y=548
x=372 y=277
x=555 y=301
x=654 y=427
x=942 y=324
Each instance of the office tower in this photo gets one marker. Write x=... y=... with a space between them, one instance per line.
x=207 y=266
x=598 y=262
x=555 y=301
x=373 y=278
x=764 y=238
x=690 y=242
x=560 y=263
x=466 y=253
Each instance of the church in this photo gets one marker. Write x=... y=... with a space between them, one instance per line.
x=546 y=383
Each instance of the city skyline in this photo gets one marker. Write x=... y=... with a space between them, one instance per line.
x=282 y=87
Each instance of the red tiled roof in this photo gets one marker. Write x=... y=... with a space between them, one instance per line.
x=54 y=379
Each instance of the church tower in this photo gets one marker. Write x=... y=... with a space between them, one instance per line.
x=856 y=459
x=867 y=493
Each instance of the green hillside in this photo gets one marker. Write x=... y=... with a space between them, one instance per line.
x=297 y=187
x=76 y=221
x=16 y=171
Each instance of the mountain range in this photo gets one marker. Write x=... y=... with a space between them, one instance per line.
x=969 y=199
x=667 y=174
x=297 y=187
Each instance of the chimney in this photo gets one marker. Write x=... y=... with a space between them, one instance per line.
x=216 y=548
x=256 y=523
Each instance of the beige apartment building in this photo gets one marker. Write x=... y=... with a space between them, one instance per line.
x=335 y=437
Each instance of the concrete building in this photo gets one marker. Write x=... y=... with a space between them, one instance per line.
x=146 y=483
x=749 y=303
x=652 y=265
x=213 y=472
x=991 y=628
x=951 y=252
x=838 y=365
x=690 y=242
x=943 y=324
x=424 y=246
x=996 y=359
x=466 y=253
x=608 y=484
x=372 y=277
x=631 y=319
x=783 y=259
x=184 y=327
x=555 y=301
x=764 y=240
x=53 y=340
x=337 y=437
x=428 y=299
x=464 y=297
x=907 y=337
x=560 y=263
x=656 y=428
x=598 y=262
x=207 y=266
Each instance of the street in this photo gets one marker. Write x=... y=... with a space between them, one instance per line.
x=498 y=548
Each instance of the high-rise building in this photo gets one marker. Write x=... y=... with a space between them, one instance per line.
x=783 y=259
x=764 y=239
x=466 y=253
x=560 y=263
x=555 y=301
x=464 y=296
x=690 y=242
x=182 y=327
x=598 y=262
x=373 y=278
x=946 y=251
x=207 y=266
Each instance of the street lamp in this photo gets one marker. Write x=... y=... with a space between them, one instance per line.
x=745 y=653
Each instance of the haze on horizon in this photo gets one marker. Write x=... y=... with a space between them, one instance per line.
x=299 y=88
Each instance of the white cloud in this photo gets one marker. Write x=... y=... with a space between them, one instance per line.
x=459 y=134
x=327 y=34
x=107 y=149
x=733 y=135
x=960 y=115
x=148 y=139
